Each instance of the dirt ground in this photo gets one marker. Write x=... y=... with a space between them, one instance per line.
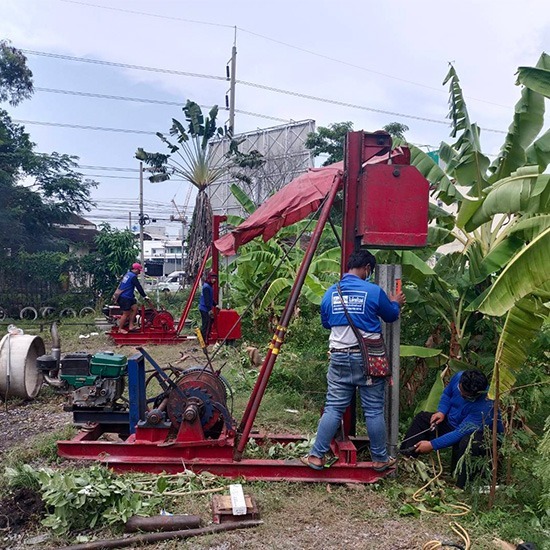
x=301 y=516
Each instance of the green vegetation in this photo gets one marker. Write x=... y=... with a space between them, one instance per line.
x=485 y=305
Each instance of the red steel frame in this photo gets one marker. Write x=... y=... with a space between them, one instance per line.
x=151 y=335
x=146 y=450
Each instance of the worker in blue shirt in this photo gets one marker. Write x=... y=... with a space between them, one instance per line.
x=206 y=303
x=464 y=409
x=366 y=303
x=124 y=297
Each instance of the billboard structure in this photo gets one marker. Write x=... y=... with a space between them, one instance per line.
x=285 y=155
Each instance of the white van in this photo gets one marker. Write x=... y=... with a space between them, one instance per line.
x=171 y=283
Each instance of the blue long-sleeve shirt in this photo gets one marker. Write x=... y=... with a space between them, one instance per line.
x=366 y=303
x=207 y=298
x=466 y=417
x=130 y=282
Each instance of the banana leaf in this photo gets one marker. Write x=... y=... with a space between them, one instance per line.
x=498 y=257
x=526 y=125
x=522 y=324
x=527 y=272
x=524 y=191
x=418 y=351
x=432 y=401
x=242 y=198
x=529 y=228
x=274 y=290
x=414 y=269
x=536 y=79
x=539 y=152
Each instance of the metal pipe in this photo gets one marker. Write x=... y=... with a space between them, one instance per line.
x=216 y=220
x=162 y=523
x=56 y=342
x=278 y=338
x=138 y=540
x=189 y=303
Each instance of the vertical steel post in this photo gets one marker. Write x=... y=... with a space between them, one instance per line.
x=189 y=302
x=387 y=277
x=136 y=390
x=141 y=220
x=216 y=221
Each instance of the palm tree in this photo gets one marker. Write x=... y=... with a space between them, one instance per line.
x=192 y=156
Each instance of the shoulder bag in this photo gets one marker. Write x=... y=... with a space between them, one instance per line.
x=373 y=349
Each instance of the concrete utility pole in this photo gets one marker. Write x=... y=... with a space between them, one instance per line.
x=141 y=222
x=388 y=277
x=232 y=77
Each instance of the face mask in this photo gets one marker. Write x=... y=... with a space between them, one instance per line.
x=470 y=399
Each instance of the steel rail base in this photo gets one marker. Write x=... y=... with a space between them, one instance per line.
x=216 y=457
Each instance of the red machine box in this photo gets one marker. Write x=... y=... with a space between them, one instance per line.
x=392 y=207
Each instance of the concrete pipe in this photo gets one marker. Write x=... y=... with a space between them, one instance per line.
x=19 y=375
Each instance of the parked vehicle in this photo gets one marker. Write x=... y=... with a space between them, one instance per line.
x=170 y=283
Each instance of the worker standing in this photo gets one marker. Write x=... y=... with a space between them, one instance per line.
x=366 y=303
x=124 y=297
x=206 y=304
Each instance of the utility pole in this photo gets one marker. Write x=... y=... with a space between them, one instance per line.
x=231 y=73
x=141 y=223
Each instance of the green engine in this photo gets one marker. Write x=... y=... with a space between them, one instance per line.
x=98 y=380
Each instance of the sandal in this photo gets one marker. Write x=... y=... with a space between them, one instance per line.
x=305 y=460
x=383 y=466
x=122 y=331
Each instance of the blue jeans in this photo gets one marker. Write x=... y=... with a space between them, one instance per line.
x=345 y=373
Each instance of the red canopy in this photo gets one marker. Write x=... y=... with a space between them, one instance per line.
x=291 y=204
x=295 y=201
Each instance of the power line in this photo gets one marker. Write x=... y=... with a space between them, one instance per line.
x=286 y=44
x=83 y=127
x=122 y=65
x=147 y=100
x=255 y=85
x=171 y=18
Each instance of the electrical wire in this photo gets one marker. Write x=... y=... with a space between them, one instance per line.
x=148 y=100
x=84 y=127
x=122 y=65
x=280 y=42
x=246 y=83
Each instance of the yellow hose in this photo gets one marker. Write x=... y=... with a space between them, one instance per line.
x=461 y=507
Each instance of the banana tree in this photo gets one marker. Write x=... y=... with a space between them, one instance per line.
x=500 y=208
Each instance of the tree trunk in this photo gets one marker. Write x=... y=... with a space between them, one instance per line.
x=200 y=235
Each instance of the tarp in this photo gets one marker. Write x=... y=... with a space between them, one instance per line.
x=295 y=201
x=289 y=205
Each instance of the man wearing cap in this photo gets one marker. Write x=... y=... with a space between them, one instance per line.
x=124 y=297
x=206 y=303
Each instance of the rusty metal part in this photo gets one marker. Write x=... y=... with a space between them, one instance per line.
x=202 y=393
x=138 y=540
x=162 y=523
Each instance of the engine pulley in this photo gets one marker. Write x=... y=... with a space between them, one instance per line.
x=203 y=394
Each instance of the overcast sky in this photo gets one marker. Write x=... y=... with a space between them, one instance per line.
x=376 y=56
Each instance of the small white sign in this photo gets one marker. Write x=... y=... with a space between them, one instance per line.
x=238 y=503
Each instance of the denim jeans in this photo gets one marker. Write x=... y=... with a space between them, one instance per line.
x=345 y=374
